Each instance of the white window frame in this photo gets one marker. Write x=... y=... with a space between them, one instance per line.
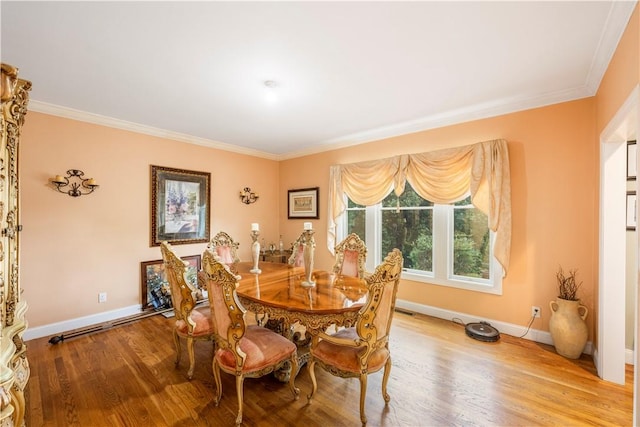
x=442 y=274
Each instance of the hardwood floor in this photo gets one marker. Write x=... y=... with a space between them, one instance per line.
x=125 y=376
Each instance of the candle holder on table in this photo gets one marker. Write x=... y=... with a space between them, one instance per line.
x=307 y=254
x=255 y=252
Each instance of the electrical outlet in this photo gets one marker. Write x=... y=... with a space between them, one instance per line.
x=102 y=297
x=535 y=311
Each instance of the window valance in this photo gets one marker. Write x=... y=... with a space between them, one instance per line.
x=442 y=176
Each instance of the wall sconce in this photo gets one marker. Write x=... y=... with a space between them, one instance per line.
x=247 y=196
x=78 y=184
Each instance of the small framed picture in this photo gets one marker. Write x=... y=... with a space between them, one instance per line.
x=155 y=289
x=303 y=203
x=632 y=164
x=632 y=210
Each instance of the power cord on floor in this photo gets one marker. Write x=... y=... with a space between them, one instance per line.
x=458 y=321
x=533 y=317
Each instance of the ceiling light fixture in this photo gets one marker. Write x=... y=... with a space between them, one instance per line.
x=271 y=96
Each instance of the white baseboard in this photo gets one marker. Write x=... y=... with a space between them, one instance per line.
x=80 y=322
x=503 y=327
x=628 y=357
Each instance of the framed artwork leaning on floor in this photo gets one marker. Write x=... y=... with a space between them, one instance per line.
x=155 y=289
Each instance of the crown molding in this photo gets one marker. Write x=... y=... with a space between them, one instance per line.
x=618 y=17
x=83 y=116
x=452 y=117
x=466 y=114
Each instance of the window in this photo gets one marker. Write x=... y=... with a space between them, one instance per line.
x=446 y=245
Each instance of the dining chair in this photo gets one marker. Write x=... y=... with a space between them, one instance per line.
x=190 y=323
x=296 y=259
x=364 y=348
x=245 y=351
x=225 y=247
x=351 y=256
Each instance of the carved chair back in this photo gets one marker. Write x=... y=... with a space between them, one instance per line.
x=351 y=256
x=183 y=294
x=374 y=318
x=227 y=311
x=225 y=247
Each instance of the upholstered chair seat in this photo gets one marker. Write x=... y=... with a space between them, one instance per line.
x=203 y=325
x=348 y=358
x=262 y=347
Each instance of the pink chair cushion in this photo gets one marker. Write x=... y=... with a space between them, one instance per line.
x=263 y=348
x=350 y=264
x=346 y=358
x=204 y=326
x=224 y=252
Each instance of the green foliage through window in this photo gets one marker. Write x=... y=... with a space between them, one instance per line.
x=407 y=223
x=471 y=241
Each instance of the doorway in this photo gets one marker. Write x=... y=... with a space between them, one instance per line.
x=610 y=353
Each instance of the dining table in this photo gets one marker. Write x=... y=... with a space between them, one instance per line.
x=284 y=301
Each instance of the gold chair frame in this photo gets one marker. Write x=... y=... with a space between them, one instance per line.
x=351 y=243
x=372 y=331
x=222 y=239
x=184 y=299
x=219 y=274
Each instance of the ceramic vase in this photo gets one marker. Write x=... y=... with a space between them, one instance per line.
x=568 y=327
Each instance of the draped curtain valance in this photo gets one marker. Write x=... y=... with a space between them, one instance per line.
x=443 y=176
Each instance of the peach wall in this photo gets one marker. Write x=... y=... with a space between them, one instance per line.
x=74 y=248
x=553 y=180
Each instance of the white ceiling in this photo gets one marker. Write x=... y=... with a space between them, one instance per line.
x=346 y=72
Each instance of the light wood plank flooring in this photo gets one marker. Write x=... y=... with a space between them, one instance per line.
x=125 y=376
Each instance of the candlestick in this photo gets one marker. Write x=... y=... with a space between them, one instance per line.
x=255 y=251
x=307 y=253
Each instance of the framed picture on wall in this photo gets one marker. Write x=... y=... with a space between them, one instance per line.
x=303 y=203
x=632 y=165
x=632 y=210
x=180 y=206
x=155 y=290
